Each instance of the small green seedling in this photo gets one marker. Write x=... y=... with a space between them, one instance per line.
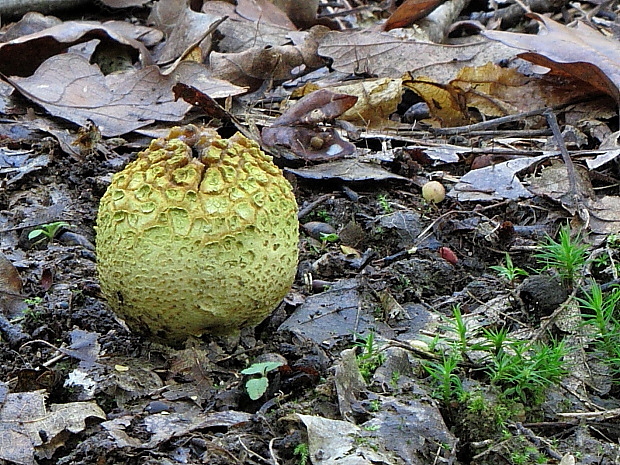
x=303 y=452
x=47 y=231
x=384 y=203
x=509 y=272
x=257 y=386
x=329 y=237
x=567 y=256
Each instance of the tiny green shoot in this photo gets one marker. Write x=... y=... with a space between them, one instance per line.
x=257 y=385
x=329 y=237
x=509 y=272
x=303 y=452
x=47 y=231
x=566 y=256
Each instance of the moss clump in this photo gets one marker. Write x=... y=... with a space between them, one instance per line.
x=199 y=233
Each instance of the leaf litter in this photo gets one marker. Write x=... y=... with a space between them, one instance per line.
x=371 y=316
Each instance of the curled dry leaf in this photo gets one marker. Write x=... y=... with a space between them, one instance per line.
x=318 y=107
x=22 y=56
x=296 y=128
x=581 y=52
x=256 y=64
x=183 y=28
x=409 y=12
x=71 y=88
x=377 y=99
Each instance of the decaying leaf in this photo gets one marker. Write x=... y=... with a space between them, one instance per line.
x=240 y=33
x=278 y=62
x=28 y=428
x=581 y=52
x=69 y=87
x=183 y=26
x=265 y=11
x=445 y=102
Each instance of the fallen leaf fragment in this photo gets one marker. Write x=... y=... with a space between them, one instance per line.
x=278 y=62
x=346 y=170
x=581 y=52
x=11 y=300
x=497 y=182
x=445 y=102
x=28 y=428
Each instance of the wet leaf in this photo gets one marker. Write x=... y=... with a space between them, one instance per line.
x=296 y=130
x=318 y=107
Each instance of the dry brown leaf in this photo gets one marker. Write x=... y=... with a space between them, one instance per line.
x=240 y=33
x=497 y=91
x=409 y=12
x=251 y=67
x=183 y=28
x=383 y=55
x=29 y=428
x=11 y=300
x=377 y=99
x=445 y=102
x=69 y=87
x=22 y=56
x=264 y=11
x=296 y=129
x=581 y=52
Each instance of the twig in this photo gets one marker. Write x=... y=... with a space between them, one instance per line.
x=487 y=124
x=574 y=199
x=272 y=452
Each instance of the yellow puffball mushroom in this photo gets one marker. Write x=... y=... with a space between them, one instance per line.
x=433 y=192
x=198 y=234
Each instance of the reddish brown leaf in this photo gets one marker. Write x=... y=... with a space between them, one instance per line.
x=317 y=107
x=448 y=255
x=194 y=97
x=581 y=52
x=409 y=12
x=11 y=302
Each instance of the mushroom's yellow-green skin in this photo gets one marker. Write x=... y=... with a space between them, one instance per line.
x=198 y=234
